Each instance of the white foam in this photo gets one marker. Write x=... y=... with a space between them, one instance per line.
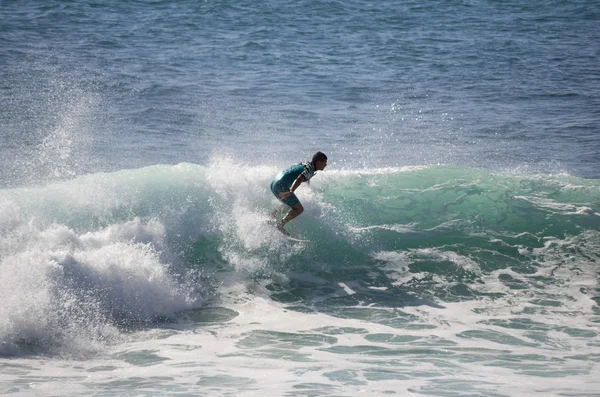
x=402 y=229
x=255 y=354
x=65 y=290
x=558 y=207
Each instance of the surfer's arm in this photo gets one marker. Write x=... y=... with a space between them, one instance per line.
x=295 y=185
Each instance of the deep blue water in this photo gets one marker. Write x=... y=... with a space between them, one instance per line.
x=123 y=84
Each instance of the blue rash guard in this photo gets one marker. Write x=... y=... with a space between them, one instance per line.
x=284 y=181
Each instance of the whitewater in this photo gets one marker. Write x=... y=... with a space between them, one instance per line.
x=171 y=279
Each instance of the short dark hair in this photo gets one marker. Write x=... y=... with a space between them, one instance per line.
x=319 y=156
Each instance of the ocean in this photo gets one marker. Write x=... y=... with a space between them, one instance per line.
x=453 y=240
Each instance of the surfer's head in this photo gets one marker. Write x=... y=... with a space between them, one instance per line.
x=319 y=160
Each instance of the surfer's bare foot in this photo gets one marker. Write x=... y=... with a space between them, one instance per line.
x=282 y=230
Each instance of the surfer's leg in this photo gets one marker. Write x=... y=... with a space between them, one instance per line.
x=297 y=209
x=276 y=190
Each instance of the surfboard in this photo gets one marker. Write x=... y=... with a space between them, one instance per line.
x=296 y=240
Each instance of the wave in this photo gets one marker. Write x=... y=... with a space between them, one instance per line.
x=83 y=261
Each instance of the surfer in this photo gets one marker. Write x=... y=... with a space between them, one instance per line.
x=288 y=180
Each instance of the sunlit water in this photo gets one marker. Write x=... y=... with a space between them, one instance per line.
x=454 y=238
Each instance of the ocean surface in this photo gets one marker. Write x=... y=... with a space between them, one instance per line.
x=453 y=240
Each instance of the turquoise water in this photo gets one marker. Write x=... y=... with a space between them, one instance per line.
x=453 y=241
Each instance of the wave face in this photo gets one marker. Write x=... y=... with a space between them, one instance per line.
x=83 y=261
